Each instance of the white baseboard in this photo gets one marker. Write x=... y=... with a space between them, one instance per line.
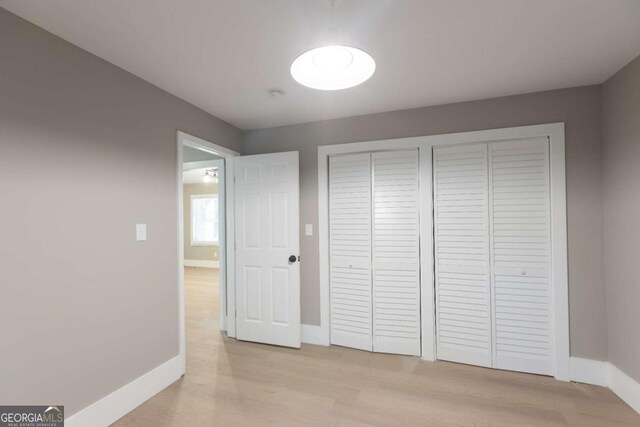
x=114 y=406
x=312 y=334
x=589 y=371
x=122 y=401
x=625 y=387
x=607 y=375
x=201 y=263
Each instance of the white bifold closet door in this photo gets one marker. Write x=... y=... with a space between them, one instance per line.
x=396 y=252
x=350 y=250
x=374 y=251
x=521 y=255
x=462 y=267
x=491 y=217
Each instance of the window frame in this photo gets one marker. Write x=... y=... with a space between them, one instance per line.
x=193 y=220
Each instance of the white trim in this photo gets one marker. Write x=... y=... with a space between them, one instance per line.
x=117 y=404
x=122 y=401
x=222 y=243
x=555 y=133
x=427 y=299
x=624 y=386
x=312 y=334
x=559 y=251
x=227 y=256
x=606 y=374
x=589 y=371
x=323 y=241
x=202 y=144
x=201 y=264
x=180 y=207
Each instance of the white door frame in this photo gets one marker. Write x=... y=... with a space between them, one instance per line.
x=226 y=256
x=425 y=144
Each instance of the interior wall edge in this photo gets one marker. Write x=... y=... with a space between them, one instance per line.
x=621 y=209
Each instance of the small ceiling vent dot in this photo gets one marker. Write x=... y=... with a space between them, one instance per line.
x=276 y=93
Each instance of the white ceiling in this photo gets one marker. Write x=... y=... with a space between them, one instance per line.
x=194 y=176
x=224 y=55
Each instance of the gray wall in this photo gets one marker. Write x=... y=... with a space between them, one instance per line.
x=579 y=108
x=200 y=253
x=87 y=150
x=621 y=133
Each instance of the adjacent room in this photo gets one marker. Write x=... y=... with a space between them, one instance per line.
x=319 y=212
x=203 y=236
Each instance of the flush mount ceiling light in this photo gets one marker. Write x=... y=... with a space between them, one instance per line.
x=333 y=67
x=210 y=176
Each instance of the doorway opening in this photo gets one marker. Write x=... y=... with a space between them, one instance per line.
x=204 y=224
x=204 y=277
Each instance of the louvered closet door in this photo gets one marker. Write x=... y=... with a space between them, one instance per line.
x=350 y=250
x=463 y=296
x=396 y=256
x=519 y=182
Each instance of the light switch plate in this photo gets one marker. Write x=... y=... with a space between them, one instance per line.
x=141 y=232
x=308 y=229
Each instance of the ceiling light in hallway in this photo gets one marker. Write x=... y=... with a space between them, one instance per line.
x=210 y=176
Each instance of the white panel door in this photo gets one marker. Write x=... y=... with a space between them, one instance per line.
x=396 y=252
x=462 y=259
x=520 y=239
x=350 y=250
x=267 y=249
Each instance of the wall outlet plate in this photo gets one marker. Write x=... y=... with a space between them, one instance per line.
x=141 y=232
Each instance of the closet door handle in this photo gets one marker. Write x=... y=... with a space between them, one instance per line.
x=292 y=259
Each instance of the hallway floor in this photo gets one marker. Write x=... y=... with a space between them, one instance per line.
x=235 y=383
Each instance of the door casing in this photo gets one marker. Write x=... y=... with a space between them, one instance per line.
x=227 y=257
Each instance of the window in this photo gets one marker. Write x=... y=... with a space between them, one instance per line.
x=204 y=220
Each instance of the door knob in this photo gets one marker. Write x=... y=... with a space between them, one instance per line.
x=292 y=259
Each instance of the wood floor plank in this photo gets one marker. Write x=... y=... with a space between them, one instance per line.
x=235 y=383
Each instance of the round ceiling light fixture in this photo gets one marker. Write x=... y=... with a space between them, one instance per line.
x=333 y=67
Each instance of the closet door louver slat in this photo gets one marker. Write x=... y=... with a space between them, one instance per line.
x=350 y=250
x=462 y=258
x=396 y=253
x=520 y=240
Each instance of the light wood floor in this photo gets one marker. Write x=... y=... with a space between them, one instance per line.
x=234 y=383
